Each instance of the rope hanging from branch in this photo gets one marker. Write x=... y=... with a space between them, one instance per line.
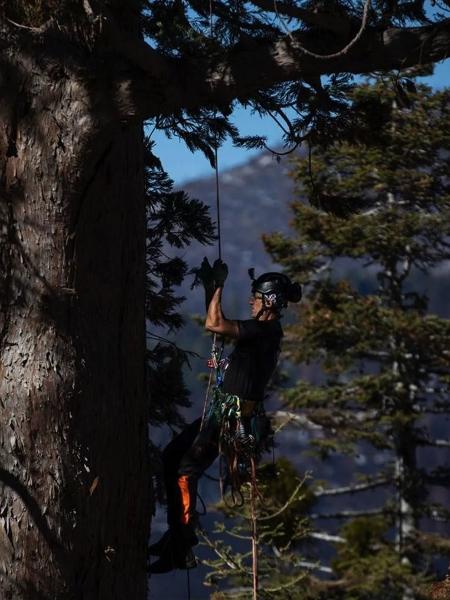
x=364 y=20
x=215 y=365
x=213 y=358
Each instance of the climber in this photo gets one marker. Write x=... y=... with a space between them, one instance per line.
x=251 y=364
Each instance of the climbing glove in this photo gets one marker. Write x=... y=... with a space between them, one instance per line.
x=210 y=276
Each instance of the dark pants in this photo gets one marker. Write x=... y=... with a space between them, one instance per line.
x=185 y=459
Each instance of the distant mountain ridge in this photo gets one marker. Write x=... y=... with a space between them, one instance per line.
x=254 y=199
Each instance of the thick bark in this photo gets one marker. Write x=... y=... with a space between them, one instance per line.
x=74 y=501
x=73 y=416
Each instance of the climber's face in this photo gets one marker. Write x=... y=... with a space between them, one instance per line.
x=256 y=303
x=261 y=308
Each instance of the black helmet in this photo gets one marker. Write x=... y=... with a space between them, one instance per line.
x=276 y=287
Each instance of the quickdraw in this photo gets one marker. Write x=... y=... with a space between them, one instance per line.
x=241 y=441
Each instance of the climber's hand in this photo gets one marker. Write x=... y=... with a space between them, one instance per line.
x=220 y=272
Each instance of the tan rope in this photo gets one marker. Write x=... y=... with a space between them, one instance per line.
x=254 y=531
x=341 y=52
x=234 y=469
x=216 y=164
x=219 y=238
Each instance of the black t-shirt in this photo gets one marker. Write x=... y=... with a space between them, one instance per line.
x=253 y=359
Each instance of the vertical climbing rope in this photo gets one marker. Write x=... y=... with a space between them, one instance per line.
x=254 y=531
x=219 y=238
x=216 y=158
x=188 y=585
x=216 y=162
x=254 y=489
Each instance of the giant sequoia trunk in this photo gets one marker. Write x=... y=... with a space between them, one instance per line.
x=74 y=502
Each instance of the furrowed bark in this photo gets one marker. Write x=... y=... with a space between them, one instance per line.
x=74 y=473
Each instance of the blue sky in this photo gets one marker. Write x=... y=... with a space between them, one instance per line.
x=183 y=165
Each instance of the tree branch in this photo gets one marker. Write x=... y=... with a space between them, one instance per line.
x=192 y=82
x=326 y=537
x=287 y=585
x=433 y=542
x=331 y=21
x=35 y=30
x=342 y=51
x=439 y=410
x=345 y=514
x=439 y=476
x=434 y=443
x=88 y=9
x=223 y=555
x=291 y=499
x=296 y=419
x=314 y=566
x=285 y=506
x=141 y=54
x=351 y=489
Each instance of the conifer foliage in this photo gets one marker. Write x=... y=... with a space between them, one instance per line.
x=281 y=525
x=174 y=221
x=378 y=208
x=79 y=78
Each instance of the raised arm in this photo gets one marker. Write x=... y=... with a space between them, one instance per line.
x=215 y=320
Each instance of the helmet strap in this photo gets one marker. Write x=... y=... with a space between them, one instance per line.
x=261 y=312
x=266 y=308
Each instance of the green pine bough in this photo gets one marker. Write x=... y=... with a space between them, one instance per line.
x=370 y=242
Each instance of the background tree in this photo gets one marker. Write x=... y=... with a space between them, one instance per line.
x=78 y=79
x=281 y=523
x=380 y=198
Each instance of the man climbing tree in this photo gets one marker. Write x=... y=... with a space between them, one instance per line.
x=235 y=421
x=78 y=79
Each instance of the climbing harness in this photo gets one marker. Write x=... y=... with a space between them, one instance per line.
x=244 y=433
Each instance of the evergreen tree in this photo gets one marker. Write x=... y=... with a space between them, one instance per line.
x=78 y=80
x=280 y=508
x=173 y=221
x=379 y=198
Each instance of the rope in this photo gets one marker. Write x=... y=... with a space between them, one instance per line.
x=235 y=489
x=216 y=163
x=188 y=584
x=219 y=237
x=216 y=159
x=254 y=531
x=365 y=18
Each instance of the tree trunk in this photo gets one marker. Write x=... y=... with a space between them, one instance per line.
x=74 y=472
